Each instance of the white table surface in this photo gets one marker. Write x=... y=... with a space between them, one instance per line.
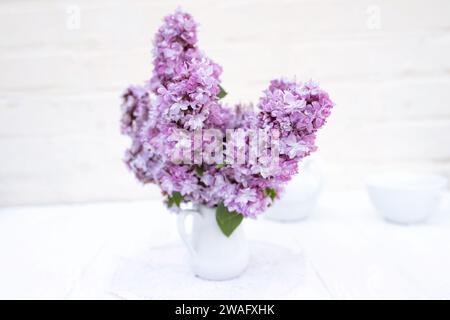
x=350 y=252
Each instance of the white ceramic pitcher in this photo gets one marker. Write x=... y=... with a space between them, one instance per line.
x=212 y=255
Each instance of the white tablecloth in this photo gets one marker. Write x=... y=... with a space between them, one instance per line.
x=345 y=250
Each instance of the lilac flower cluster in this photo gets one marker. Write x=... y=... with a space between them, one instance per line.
x=183 y=93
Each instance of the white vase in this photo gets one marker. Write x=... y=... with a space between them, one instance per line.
x=212 y=255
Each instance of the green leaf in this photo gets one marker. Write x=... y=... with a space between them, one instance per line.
x=227 y=221
x=270 y=193
x=222 y=93
x=175 y=198
x=199 y=170
x=220 y=165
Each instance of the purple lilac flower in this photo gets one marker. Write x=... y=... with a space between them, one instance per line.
x=182 y=94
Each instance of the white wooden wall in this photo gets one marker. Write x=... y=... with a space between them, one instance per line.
x=386 y=64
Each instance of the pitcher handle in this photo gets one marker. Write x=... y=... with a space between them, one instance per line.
x=181 y=219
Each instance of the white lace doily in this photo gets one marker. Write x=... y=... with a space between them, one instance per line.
x=163 y=273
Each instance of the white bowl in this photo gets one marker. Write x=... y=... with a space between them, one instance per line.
x=406 y=198
x=299 y=200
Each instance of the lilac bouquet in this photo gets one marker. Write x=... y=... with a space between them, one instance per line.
x=196 y=149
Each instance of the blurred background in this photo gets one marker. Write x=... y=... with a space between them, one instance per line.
x=64 y=65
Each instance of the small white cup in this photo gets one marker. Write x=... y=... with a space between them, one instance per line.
x=406 y=198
